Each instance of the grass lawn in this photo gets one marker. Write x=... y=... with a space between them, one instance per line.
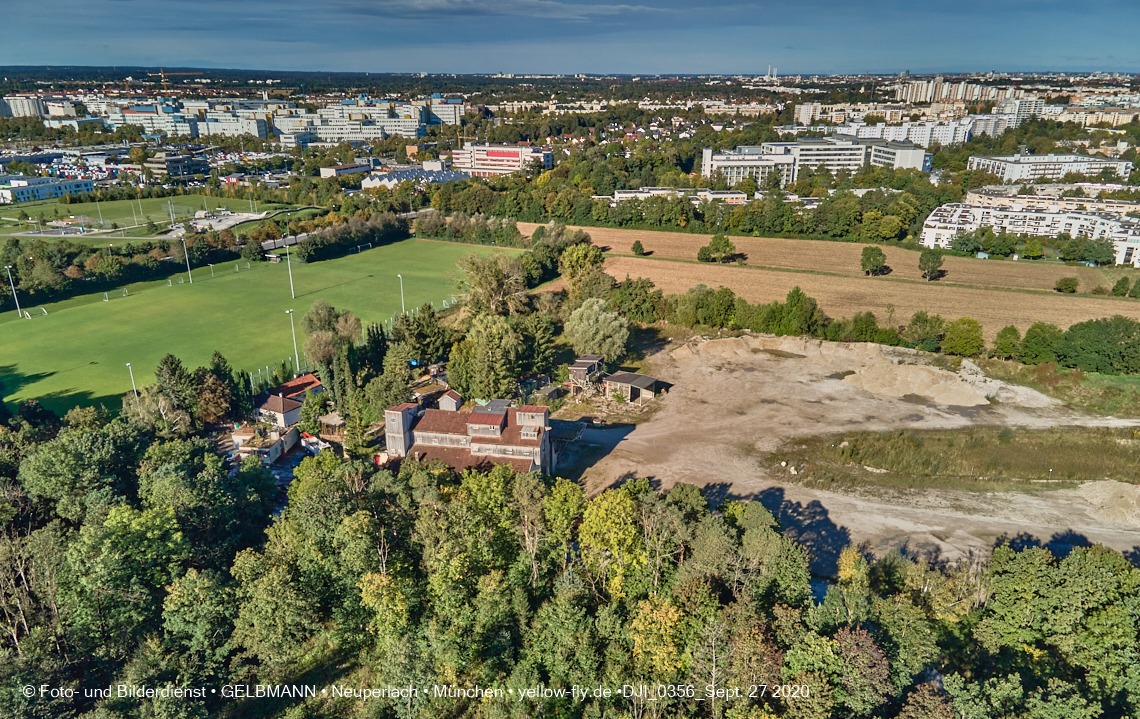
x=77 y=353
x=124 y=212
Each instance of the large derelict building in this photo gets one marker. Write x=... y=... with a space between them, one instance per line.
x=1026 y=168
x=833 y=154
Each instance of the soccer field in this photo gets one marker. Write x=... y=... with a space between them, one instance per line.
x=77 y=353
x=126 y=213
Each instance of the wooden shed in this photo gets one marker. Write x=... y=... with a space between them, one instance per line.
x=634 y=387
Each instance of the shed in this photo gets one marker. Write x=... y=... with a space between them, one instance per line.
x=451 y=401
x=634 y=387
x=585 y=371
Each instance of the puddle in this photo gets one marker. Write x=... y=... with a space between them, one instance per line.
x=840 y=375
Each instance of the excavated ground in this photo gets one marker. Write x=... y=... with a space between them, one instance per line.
x=733 y=400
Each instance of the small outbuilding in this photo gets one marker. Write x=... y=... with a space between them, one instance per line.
x=633 y=387
x=451 y=401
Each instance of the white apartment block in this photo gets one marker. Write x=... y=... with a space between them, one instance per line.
x=951 y=220
x=155 y=123
x=993 y=196
x=493 y=160
x=22 y=106
x=748 y=161
x=17 y=188
x=992 y=125
x=1026 y=168
x=923 y=134
x=922 y=92
x=1022 y=109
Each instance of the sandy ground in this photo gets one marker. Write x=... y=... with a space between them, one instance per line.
x=734 y=399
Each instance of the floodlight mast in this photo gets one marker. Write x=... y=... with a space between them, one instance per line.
x=13 y=286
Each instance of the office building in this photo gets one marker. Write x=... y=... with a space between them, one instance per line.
x=1026 y=168
x=179 y=167
x=493 y=160
x=951 y=220
x=17 y=188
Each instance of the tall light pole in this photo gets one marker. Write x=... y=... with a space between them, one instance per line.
x=13 y=286
x=186 y=254
x=288 y=263
x=403 y=310
x=296 y=356
x=136 y=389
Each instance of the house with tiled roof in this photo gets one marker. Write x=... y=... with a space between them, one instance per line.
x=490 y=434
x=279 y=411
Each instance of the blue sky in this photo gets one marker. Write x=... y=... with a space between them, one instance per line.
x=564 y=36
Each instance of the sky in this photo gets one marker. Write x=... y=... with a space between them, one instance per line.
x=567 y=36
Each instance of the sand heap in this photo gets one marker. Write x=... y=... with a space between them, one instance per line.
x=895 y=372
x=1113 y=501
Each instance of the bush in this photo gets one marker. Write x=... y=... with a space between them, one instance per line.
x=1007 y=343
x=638 y=249
x=1110 y=345
x=1120 y=289
x=1068 y=285
x=1040 y=343
x=1100 y=290
x=1135 y=291
x=963 y=338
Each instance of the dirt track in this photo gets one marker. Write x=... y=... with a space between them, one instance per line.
x=734 y=399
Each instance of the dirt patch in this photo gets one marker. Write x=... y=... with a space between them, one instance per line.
x=846 y=296
x=714 y=428
x=1114 y=502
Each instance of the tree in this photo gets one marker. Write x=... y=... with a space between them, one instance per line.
x=1007 y=343
x=1033 y=249
x=610 y=540
x=1120 y=289
x=925 y=331
x=637 y=248
x=494 y=283
x=485 y=363
x=963 y=338
x=1135 y=291
x=1100 y=251
x=930 y=264
x=174 y=383
x=1067 y=285
x=873 y=261
x=593 y=330
x=252 y=251
x=1040 y=343
x=719 y=249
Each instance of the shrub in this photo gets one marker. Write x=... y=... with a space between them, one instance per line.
x=1040 y=343
x=1099 y=290
x=1068 y=285
x=1120 y=289
x=1007 y=343
x=638 y=249
x=1135 y=291
x=963 y=338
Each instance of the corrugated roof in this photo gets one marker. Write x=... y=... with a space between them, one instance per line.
x=640 y=381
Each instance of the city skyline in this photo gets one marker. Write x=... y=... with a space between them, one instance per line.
x=547 y=36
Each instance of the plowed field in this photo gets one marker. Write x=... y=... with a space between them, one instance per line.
x=843 y=258
x=845 y=296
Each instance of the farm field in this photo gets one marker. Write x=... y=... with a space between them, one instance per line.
x=843 y=258
x=845 y=296
x=77 y=353
x=124 y=212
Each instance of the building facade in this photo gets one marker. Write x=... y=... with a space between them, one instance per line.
x=1026 y=168
x=493 y=160
x=17 y=188
x=951 y=220
x=493 y=434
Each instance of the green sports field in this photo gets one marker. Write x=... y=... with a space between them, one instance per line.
x=77 y=353
x=126 y=213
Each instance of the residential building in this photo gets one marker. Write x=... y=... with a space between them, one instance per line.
x=1026 y=168
x=1046 y=200
x=992 y=125
x=17 y=188
x=1022 y=109
x=898 y=155
x=278 y=410
x=950 y=220
x=495 y=433
x=22 y=106
x=923 y=134
x=492 y=160
x=748 y=161
x=268 y=444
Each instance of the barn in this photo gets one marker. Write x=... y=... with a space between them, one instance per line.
x=634 y=387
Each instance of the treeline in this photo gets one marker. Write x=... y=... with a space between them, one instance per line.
x=339 y=239
x=158 y=567
x=477 y=229
x=51 y=270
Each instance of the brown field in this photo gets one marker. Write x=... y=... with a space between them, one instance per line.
x=843 y=258
x=845 y=296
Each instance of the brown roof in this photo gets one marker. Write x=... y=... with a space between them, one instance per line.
x=404 y=406
x=461 y=459
x=297 y=386
x=278 y=404
x=452 y=394
x=442 y=422
x=531 y=409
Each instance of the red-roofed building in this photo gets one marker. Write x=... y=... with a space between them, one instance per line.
x=296 y=388
x=494 y=433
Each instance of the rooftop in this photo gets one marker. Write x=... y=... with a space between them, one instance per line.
x=640 y=381
x=278 y=404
